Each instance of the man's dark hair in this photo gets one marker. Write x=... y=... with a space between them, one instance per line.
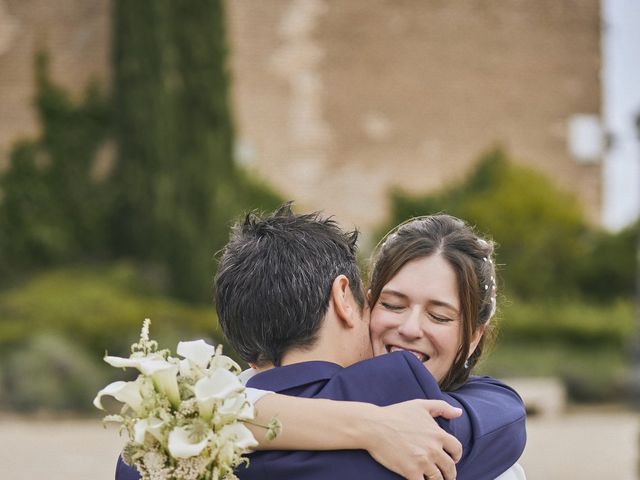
x=274 y=281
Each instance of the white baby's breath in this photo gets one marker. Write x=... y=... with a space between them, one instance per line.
x=184 y=417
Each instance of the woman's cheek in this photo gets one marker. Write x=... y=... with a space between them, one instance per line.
x=377 y=328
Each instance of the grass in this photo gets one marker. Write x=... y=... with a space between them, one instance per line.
x=101 y=308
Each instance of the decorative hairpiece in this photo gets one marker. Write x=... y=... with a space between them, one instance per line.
x=493 y=292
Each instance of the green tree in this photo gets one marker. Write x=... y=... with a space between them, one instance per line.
x=178 y=183
x=53 y=208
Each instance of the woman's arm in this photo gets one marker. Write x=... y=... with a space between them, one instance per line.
x=403 y=437
x=491 y=429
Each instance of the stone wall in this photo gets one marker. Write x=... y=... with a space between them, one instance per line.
x=338 y=101
x=75 y=33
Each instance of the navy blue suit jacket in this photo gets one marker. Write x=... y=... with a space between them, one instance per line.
x=491 y=429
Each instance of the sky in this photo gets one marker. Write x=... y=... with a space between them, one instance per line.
x=621 y=105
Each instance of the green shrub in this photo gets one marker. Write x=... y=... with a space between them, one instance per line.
x=100 y=308
x=610 y=270
x=53 y=210
x=585 y=345
x=571 y=323
x=51 y=372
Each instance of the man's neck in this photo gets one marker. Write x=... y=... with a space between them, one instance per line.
x=315 y=354
x=334 y=344
x=300 y=356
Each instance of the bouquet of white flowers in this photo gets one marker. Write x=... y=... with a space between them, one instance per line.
x=184 y=417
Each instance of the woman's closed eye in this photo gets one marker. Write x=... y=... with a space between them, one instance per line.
x=393 y=307
x=440 y=318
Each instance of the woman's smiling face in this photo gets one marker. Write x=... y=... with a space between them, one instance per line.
x=419 y=311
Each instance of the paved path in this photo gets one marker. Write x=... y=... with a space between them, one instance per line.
x=58 y=450
x=585 y=445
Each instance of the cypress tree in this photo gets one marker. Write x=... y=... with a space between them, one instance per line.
x=174 y=135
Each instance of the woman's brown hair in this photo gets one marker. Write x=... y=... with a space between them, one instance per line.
x=471 y=258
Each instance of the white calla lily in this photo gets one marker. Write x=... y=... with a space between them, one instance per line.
x=151 y=425
x=247 y=412
x=181 y=446
x=139 y=430
x=219 y=385
x=120 y=362
x=222 y=361
x=126 y=392
x=185 y=368
x=237 y=406
x=198 y=352
x=240 y=435
x=163 y=373
x=136 y=360
x=232 y=405
x=165 y=379
x=216 y=387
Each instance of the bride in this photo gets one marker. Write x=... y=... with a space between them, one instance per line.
x=432 y=292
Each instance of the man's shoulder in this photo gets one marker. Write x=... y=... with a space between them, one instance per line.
x=294 y=377
x=389 y=362
x=383 y=380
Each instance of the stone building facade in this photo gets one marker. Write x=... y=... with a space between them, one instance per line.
x=338 y=101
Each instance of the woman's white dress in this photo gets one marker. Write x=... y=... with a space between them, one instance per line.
x=514 y=473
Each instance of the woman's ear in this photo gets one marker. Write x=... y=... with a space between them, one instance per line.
x=475 y=340
x=343 y=301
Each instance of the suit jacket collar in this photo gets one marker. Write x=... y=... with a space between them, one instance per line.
x=278 y=379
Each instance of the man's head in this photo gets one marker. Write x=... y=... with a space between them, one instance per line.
x=279 y=278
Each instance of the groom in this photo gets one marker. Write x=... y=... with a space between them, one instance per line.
x=289 y=299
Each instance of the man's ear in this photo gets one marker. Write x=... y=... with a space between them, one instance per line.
x=343 y=301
